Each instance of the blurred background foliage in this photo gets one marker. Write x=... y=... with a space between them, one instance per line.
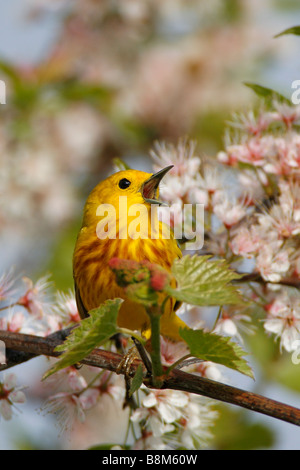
x=101 y=80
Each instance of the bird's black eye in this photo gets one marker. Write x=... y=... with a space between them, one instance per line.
x=124 y=183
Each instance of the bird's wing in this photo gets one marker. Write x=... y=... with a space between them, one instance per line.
x=177 y=305
x=81 y=308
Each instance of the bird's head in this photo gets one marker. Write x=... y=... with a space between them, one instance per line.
x=137 y=186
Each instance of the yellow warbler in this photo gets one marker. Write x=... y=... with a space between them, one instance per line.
x=107 y=234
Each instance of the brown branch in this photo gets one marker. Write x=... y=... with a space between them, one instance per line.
x=19 y=356
x=255 y=277
x=180 y=380
x=31 y=346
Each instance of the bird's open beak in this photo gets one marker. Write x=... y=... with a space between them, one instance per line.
x=150 y=186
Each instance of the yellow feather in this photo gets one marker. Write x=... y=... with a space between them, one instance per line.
x=94 y=280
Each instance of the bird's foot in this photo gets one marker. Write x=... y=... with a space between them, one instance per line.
x=124 y=368
x=126 y=362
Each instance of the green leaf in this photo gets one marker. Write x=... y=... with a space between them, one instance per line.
x=90 y=334
x=201 y=281
x=219 y=349
x=294 y=30
x=137 y=380
x=268 y=93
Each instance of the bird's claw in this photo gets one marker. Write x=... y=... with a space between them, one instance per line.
x=124 y=368
x=126 y=362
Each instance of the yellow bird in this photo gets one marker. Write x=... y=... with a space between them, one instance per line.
x=94 y=280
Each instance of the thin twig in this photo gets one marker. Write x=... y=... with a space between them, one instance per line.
x=176 y=380
x=188 y=362
x=143 y=354
x=16 y=356
x=255 y=277
x=193 y=384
